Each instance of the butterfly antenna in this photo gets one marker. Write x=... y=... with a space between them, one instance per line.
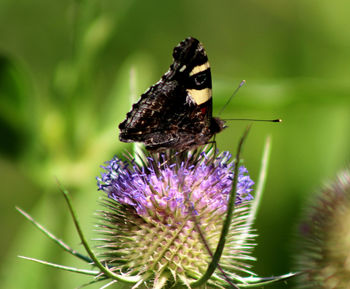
x=233 y=94
x=253 y=119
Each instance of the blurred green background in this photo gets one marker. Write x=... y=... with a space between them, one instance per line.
x=65 y=71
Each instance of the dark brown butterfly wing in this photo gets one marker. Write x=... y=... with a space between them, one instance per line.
x=176 y=112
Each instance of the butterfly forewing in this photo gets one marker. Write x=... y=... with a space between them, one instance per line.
x=176 y=112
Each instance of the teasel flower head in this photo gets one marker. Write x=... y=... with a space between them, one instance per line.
x=162 y=219
x=325 y=255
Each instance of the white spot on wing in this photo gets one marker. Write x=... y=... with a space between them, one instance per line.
x=182 y=69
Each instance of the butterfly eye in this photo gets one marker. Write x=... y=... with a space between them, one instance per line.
x=200 y=79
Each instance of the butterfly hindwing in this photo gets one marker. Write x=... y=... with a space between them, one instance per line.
x=176 y=112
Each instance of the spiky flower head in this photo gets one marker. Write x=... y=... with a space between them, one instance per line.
x=156 y=212
x=325 y=257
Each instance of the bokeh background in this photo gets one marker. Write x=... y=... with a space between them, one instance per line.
x=65 y=70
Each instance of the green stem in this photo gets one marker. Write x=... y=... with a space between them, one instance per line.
x=261 y=180
x=53 y=237
x=259 y=189
x=262 y=281
x=66 y=268
x=106 y=271
x=226 y=226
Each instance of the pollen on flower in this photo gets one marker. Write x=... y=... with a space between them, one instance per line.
x=151 y=213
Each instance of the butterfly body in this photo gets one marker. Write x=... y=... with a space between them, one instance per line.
x=176 y=112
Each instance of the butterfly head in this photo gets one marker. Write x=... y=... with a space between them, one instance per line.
x=217 y=125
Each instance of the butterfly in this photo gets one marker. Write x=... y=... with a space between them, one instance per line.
x=176 y=112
